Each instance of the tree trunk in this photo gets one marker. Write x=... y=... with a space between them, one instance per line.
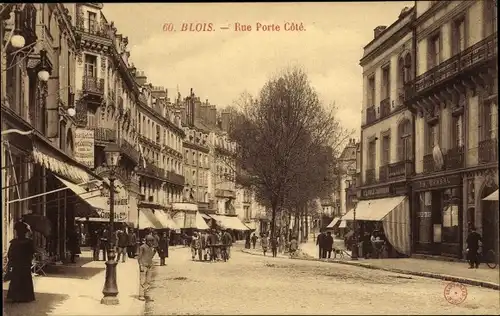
x=307 y=223
x=288 y=237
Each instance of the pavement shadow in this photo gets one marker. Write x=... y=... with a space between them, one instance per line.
x=44 y=304
x=73 y=272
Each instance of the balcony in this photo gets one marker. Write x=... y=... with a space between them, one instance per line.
x=385 y=107
x=93 y=88
x=225 y=193
x=400 y=169
x=429 y=165
x=371 y=114
x=174 y=178
x=466 y=60
x=382 y=173
x=92 y=27
x=454 y=158
x=106 y=135
x=488 y=151
x=129 y=150
x=370 y=176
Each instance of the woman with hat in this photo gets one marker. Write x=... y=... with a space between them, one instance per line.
x=20 y=255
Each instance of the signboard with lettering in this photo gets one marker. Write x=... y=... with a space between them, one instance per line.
x=84 y=146
x=423 y=214
x=120 y=215
x=438 y=182
x=376 y=192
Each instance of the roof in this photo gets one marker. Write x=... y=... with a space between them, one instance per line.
x=199 y=124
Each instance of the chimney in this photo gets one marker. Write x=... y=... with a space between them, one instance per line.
x=213 y=116
x=378 y=30
x=141 y=78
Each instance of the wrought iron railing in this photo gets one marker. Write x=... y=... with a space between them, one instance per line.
x=471 y=56
x=175 y=178
x=455 y=158
x=382 y=173
x=488 y=150
x=371 y=114
x=385 y=107
x=104 y=134
x=93 y=84
x=370 y=176
x=128 y=149
x=429 y=165
x=91 y=26
x=400 y=169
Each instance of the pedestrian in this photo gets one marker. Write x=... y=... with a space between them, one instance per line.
x=132 y=243
x=194 y=244
x=247 y=241
x=162 y=248
x=319 y=243
x=20 y=256
x=202 y=245
x=227 y=242
x=145 y=260
x=73 y=244
x=122 y=244
x=328 y=246
x=294 y=246
x=264 y=242
x=104 y=238
x=167 y=243
x=95 y=244
x=254 y=240
x=157 y=240
x=274 y=246
x=474 y=241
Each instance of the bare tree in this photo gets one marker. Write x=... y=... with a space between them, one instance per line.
x=280 y=136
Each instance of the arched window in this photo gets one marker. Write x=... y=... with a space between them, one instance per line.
x=405 y=144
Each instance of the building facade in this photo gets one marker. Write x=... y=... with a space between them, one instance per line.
x=454 y=98
x=347 y=176
x=386 y=154
x=39 y=122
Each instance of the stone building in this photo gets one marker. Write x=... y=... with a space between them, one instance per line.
x=39 y=122
x=454 y=98
x=386 y=152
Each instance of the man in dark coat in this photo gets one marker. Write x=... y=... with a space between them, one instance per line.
x=320 y=242
x=162 y=248
x=104 y=238
x=132 y=243
x=328 y=245
x=122 y=244
x=473 y=244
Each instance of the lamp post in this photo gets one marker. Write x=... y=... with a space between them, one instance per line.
x=110 y=290
x=354 y=255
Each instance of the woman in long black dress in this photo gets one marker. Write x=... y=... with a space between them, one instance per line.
x=20 y=256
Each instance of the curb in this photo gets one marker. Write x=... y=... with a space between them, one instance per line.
x=443 y=277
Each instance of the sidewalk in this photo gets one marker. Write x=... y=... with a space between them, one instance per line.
x=449 y=271
x=78 y=291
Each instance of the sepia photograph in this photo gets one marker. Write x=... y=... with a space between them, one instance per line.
x=250 y=158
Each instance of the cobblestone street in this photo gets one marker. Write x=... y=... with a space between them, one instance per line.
x=249 y=284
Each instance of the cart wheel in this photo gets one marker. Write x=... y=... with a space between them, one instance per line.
x=490 y=259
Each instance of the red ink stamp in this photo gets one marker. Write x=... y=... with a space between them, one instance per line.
x=455 y=293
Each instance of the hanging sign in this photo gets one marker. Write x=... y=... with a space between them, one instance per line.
x=84 y=146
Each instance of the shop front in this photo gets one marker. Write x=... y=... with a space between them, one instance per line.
x=438 y=216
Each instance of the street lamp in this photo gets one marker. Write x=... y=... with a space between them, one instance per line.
x=43 y=73
x=354 y=255
x=17 y=40
x=110 y=289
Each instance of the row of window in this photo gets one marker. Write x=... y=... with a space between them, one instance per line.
x=154 y=193
x=194 y=178
x=196 y=159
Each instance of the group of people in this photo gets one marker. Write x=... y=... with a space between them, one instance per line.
x=124 y=241
x=213 y=245
x=324 y=241
x=278 y=244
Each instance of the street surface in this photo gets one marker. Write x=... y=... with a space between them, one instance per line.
x=250 y=284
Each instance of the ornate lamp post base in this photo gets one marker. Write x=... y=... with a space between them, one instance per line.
x=110 y=289
x=354 y=251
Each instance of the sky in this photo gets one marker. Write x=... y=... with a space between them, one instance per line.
x=222 y=64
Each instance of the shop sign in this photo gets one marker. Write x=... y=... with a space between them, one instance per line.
x=118 y=215
x=439 y=182
x=373 y=192
x=84 y=146
x=423 y=214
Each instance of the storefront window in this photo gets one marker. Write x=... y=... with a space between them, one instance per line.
x=450 y=212
x=424 y=216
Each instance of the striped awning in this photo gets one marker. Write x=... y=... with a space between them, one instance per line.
x=165 y=220
x=230 y=222
x=59 y=167
x=373 y=210
x=148 y=219
x=343 y=224
x=397 y=227
x=492 y=197
x=333 y=222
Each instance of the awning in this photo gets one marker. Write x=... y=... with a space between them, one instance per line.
x=103 y=219
x=333 y=222
x=200 y=222
x=492 y=197
x=92 y=198
x=374 y=210
x=148 y=219
x=185 y=206
x=62 y=168
x=165 y=220
x=205 y=216
x=229 y=222
x=343 y=224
